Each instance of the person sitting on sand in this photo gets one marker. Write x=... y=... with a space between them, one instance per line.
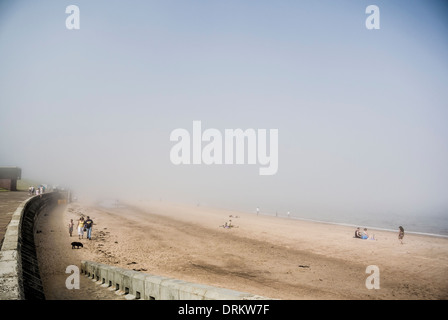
x=358 y=233
x=228 y=225
x=401 y=234
x=364 y=234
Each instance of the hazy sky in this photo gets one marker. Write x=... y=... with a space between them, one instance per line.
x=361 y=114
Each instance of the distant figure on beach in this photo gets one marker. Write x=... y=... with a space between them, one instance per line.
x=400 y=234
x=258 y=211
x=88 y=225
x=358 y=233
x=81 y=228
x=70 y=227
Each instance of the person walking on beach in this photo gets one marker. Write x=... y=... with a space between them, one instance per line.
x=81 y=228
x=88 y=225
x=70 y=227
x=400 y=234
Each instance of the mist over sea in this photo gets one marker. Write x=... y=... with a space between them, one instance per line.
x=431 y=223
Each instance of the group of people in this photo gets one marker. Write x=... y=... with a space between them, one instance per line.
x=364 y=235
x=37 y=191
x=84 y=225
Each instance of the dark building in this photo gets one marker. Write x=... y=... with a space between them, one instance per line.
x=9 y=177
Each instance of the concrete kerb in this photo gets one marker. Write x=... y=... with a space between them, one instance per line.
x=138 y=285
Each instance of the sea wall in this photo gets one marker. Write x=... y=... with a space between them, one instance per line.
x=19 y=269
x=139 y=285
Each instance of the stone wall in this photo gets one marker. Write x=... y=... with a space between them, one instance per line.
x=19 y=268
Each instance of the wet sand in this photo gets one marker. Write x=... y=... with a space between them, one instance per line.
x=279 y=258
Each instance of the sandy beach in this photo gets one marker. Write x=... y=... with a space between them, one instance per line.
x=279 y=258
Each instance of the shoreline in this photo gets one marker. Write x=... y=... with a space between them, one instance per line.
x=293 y=217
x=373 y=228
x=347 y=224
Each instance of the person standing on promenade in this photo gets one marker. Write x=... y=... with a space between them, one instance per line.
x=70 y=227
x=81 y=228
x=88 y=225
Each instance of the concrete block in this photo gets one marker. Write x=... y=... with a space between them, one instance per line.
x=169 y=289
x=152 y=287
x=138 y=285
x=192 y=291
x=102 y=275
x=128 y=280
x=95 y=271
x=111 y=270
x=118 y=281
x=130 y=297
x=224 y=294
x=84 y=266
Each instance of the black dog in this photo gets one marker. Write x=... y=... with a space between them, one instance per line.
x=77 y=244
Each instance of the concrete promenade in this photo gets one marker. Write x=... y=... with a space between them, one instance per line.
x=9 y=201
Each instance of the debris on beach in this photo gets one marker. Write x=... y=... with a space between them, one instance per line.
x=140 y=269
